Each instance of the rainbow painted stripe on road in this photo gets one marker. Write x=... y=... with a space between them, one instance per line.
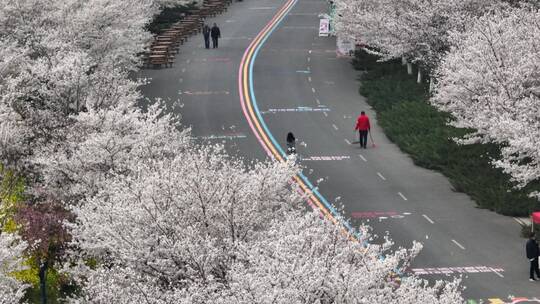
x=259 y=127
x=271 y=146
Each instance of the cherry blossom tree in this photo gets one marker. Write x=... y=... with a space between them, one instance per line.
x=101 y=144
x=11 y=253
x=303 y=259
x=490 y=82
x=61 y=57
x=416 y=30
x=199 y=228
x=66 y=100
x=166 y=221
x=190 y=210
x=297 y=259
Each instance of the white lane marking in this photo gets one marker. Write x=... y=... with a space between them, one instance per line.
x=402 y=196
x=456 y=270
x=347 y=141
x=362 y=157
x=335 y=127
x=325 y=114
x=318 y=101
x=381 y=176
x=326 y=157
x=308 y=68
x=183 y=70
x=308 y=59
x=313 y=90
x=496 y=272
x=428 y=219
x=309 y=51
x=231 y=137
x=520 y=221
x=309 y=78
x=458 y=244
x=407 y=213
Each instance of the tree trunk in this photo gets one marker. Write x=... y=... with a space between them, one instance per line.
x=43 y=281
x=431 y=85
x=403 y=60
x=419 y=77
x=409 y=68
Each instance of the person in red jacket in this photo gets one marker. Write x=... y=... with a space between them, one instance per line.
x=363 y=127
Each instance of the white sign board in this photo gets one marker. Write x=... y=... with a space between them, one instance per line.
x=345 y=47
x=324 y=27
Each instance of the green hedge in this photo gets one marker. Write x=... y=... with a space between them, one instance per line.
x=168 y=16
x=420 y=130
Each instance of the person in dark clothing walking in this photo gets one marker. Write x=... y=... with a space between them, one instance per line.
x=206 y=34
x=215 y=33
x=532 y=254
x=363 y=127
x=291 y=144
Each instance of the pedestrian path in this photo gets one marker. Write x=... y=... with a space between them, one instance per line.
x=416 y=204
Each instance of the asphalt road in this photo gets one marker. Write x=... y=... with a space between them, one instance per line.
x=301 y=86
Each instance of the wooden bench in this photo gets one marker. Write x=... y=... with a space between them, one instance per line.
x=161 y=59
x=165 y=46
x=160 y=50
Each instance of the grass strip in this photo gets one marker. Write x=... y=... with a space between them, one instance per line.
x=420 y=130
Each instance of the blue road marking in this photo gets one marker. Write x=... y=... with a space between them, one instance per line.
x=276 y=144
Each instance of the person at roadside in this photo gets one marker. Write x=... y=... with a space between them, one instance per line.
x=363 y=127
x=206 y=35
x=216 y=34
x=532 y=251
x=291 y=144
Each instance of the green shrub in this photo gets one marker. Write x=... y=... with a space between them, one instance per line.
x=421 y=131
x=167 y=17
x=526 y=230
x=11 y=194
x=58 y=285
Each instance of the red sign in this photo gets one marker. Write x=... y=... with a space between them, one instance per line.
x=536 y=217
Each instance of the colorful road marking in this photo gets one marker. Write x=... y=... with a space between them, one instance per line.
x=264 y=136
x=259 y=128
x=297 y=109
x=523 y=300
x=514 y=300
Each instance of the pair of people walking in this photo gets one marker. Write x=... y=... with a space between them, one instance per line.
x=213 y=32
x=363 y=127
